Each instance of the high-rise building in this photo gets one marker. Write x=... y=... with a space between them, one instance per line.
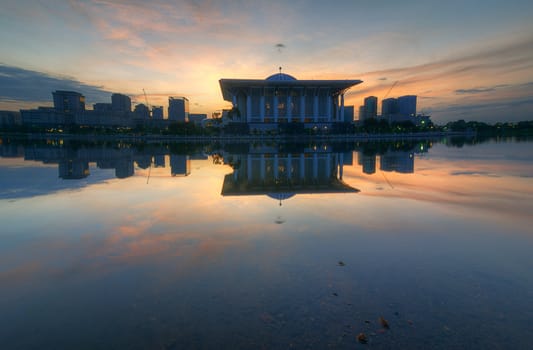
x=68 y=101
x=178 y=109
x=348 y=114
x=371 y=107
x=141 y=111
x=121 y=103
x=389 y=106
x=157 y=112
x=197 y=118
x=407 y=105
x=102 y=107
x=361 y=113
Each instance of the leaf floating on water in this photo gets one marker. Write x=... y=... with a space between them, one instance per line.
x=383 y=322
x=361 y=338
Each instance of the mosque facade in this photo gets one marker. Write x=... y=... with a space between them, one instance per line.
x=281 y=98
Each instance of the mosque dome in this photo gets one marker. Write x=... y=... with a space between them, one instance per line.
x=280 y=77
x=280 y=196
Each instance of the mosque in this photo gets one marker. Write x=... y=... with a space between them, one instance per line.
x=281 y=98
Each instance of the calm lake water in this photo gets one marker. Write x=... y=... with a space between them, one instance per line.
x=179 y=246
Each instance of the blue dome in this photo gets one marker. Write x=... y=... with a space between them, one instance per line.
x=280 y=77
x=281 y=195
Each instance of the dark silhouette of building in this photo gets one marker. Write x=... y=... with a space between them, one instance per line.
x=399 y=161
x=121 y=103
x=371 y=107
x=69 y=102
x=180 y=165
x=141 y=112
x=178 y=109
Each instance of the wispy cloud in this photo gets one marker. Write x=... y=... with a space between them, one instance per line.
x=473 y=91
x=18 y=84
x=494 y=76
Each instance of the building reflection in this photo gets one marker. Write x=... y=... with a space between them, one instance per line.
x=399 y=161
x=282 y=176
x=257 y=168
x=180 y=165
x=368 y=162
x=72 y=169
x=73 y=161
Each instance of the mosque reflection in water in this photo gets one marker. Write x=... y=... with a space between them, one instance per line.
x=282 y=175
x=257 y=169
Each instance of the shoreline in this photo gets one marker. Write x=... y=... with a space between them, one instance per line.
x=240 y=138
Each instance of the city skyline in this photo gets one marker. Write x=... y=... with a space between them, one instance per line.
x=463 y=61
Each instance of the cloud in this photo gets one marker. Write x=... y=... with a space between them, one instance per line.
x=497 y=73
x=19 y=84
x=473 y=91
x=473 y=173
x=32 y=181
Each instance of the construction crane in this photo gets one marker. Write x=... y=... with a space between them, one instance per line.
x=388 y=92
x=146 y=99
x=147 y=104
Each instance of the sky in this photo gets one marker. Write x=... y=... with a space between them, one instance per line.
x=469 y=60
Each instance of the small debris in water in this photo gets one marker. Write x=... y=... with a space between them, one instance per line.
x=335 y=295
x=383 y=322
x=341 y=263
x=361 y=338
x=410 y=322
x=367 y=321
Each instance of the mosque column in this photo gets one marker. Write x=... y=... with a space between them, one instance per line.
x=288 y=108
x=289 y=166
x=262 y=167
x=337 y=110
x=329 y=107
x=234 y=100
x=249 y=167
x=275 y=106
x=302 y=106
x=328 y=165
x=262 y=106
x=315 y=166
x=341 y=164
x=302 y=166
x=276 y=167
x=342 y=109
x=315 y=107
x=249 y=107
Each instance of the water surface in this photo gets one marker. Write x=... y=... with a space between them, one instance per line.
x=114 y=245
